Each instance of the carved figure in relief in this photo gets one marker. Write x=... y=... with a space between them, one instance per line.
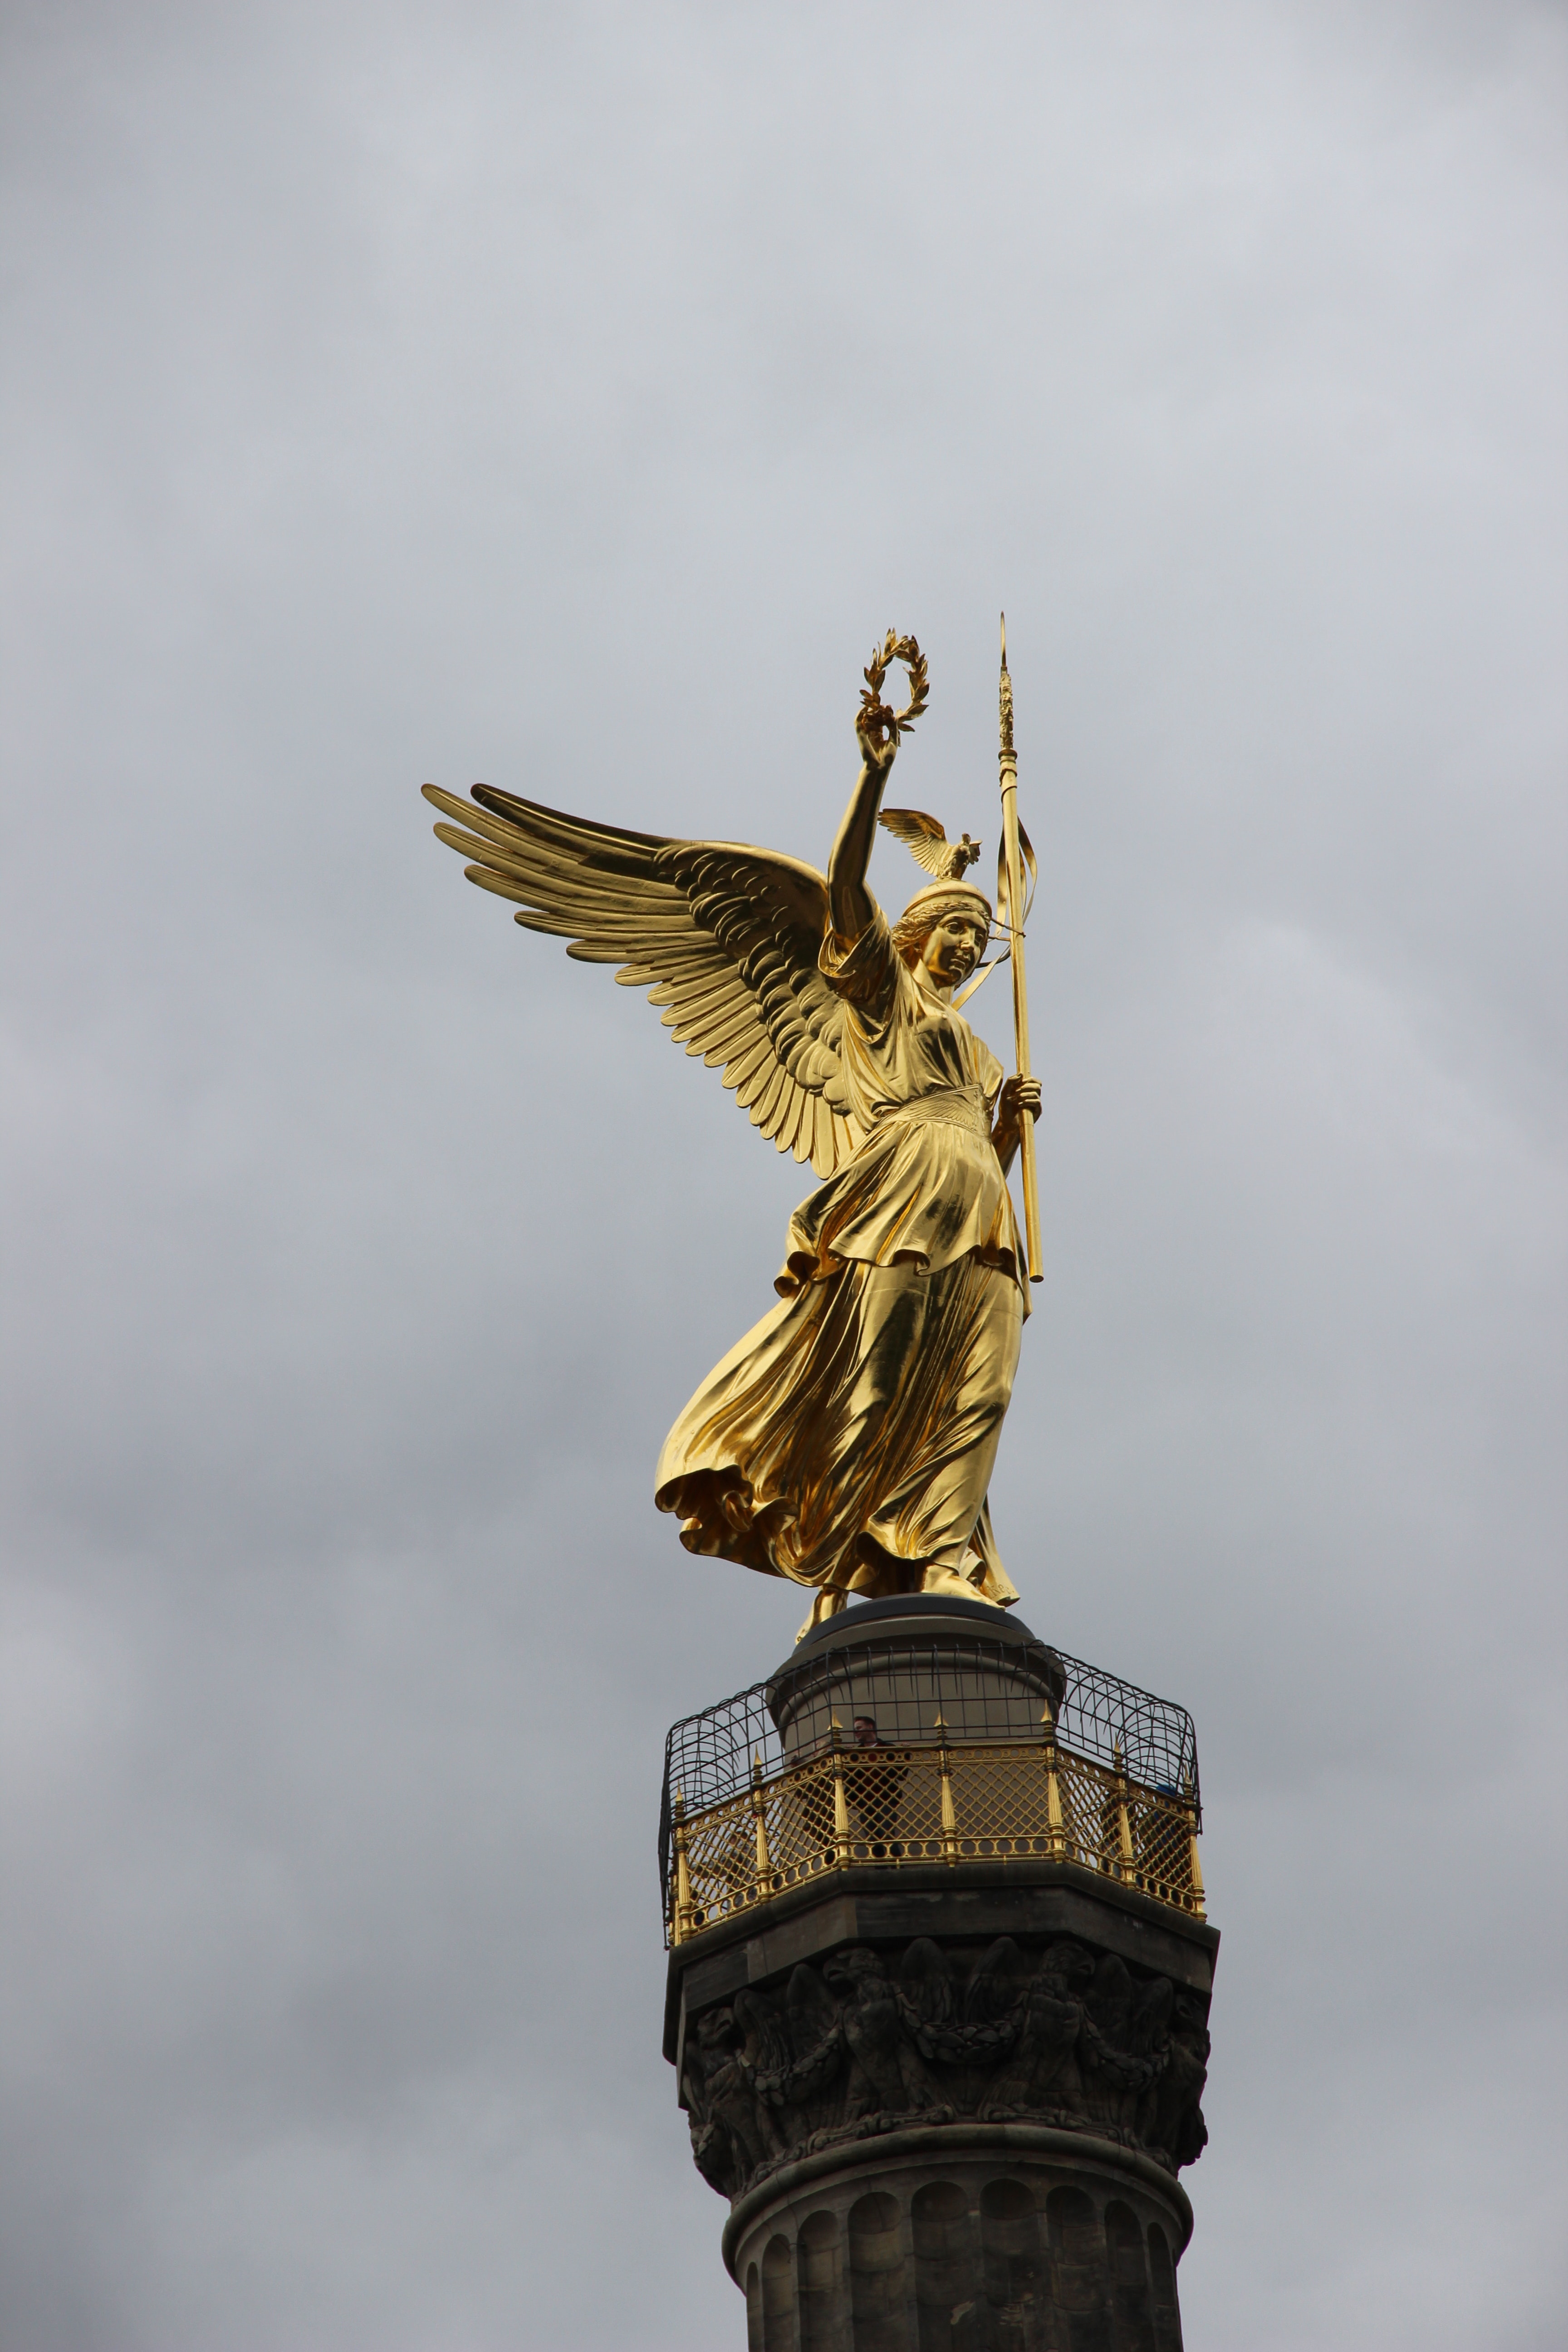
x=930 y=2001
x=1125 y=2036
x=727 y=2091
x=847 y=1442
x=766 y=2043
x=1043 y=2068
x=1174 y=2119
x=889 y=2075
x=812 y=2016
x=713 y=2151
x=926 y=1992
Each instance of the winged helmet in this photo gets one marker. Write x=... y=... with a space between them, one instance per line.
x=925 y=838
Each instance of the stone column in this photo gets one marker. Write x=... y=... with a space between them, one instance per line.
x=962 y=2239
x=946 y=2080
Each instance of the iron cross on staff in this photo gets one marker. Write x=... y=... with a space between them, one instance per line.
x=1015 y=851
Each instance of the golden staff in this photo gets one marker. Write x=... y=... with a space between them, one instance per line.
x=1012 y=864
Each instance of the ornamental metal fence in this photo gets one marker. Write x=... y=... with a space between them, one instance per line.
x=1108 y=1778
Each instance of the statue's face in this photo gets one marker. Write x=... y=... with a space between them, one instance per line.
x=953 y=948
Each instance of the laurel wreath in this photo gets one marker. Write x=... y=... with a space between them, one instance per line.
x=878 y=721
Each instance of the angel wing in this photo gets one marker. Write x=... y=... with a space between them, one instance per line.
x=925 y=1981
x=768 y=2049
x=813 y=2011
x=1000 y=1975
x=723 y=937
x=926 y=840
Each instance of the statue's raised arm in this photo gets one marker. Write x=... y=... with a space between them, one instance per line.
x=848 y=900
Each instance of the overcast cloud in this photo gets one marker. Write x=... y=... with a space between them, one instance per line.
x=566 y=397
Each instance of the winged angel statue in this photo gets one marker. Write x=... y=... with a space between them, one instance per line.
x=847 y=1442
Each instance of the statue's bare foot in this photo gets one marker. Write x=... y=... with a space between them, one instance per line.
x=951 y=1586
x=829 y=1600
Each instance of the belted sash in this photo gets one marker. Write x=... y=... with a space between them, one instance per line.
x=944 y=1106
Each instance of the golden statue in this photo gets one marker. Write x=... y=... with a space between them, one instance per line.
x=847 y=1442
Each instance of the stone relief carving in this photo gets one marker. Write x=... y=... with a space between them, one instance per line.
x=1074 y=2039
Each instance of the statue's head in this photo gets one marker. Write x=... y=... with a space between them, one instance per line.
x=1068 y=1966
x=944 y=929
x=853 y=1968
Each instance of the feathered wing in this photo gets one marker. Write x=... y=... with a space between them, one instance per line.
x=925 y=1980
x=812 y=2009
x=923 y=836
x=768 y=2049
x=1000 y=1976
x=723 y=937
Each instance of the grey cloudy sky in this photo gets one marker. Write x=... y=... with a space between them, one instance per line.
x=566 y=397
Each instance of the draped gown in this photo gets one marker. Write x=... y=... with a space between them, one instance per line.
x=847 y=1442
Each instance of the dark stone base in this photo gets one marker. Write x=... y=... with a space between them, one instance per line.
x=963 y=2238
x=947 y=2099
x=933 y=2188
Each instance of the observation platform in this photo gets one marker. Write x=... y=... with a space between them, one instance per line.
x=882 y=1746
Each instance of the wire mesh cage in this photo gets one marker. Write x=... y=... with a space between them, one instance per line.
x=966 y=1695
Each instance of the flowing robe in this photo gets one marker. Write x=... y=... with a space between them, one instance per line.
x=847 y=1442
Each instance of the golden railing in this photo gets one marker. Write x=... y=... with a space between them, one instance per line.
x=904 y=1808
